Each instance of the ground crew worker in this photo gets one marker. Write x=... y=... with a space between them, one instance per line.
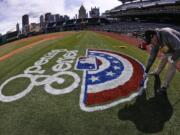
x=166 y=40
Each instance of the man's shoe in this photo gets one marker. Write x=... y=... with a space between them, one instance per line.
x=162 y=89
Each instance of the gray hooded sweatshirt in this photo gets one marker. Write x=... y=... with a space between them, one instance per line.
x=169 y=39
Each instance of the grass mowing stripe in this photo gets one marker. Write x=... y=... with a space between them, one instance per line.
x=22 y=48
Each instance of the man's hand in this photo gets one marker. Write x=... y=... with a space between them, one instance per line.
x=170 y=59
x=153 y=73
x=144 y=79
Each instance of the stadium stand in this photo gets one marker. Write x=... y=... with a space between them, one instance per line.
x=1 y=40
x=133 y=17
x=134 y=27
x=51 y=27
x=166 y=10
x=11 y=36
x=79 y=24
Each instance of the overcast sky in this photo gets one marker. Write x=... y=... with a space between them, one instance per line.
x=11 y=11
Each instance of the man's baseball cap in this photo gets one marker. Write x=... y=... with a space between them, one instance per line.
x=148 y=36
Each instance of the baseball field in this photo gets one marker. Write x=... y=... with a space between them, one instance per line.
x=41 y=89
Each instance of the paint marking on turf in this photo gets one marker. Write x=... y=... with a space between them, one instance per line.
x=120 y=47
x=109 y=78
x=116 y=80
x=37 y=77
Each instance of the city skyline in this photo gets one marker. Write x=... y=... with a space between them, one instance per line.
x=11 y=11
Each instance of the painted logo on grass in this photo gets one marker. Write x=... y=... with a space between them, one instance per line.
x=114 y=78
x=108 y=79
x=54 y=82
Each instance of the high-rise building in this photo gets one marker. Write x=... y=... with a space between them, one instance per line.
x=66 y=18
x=61 y=18
x=47 y=17
x=82 y=12
x=34 y=27
x=25 y=24
x=94 y=13
x=52 y=18
x=25 y=20
x=57 y=17
x=17 y=27
x=41 y=20
x=104 y=15
x=76 y=16
x=42 y=23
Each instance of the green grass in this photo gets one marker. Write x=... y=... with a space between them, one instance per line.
x=40 y=113
x=15 y=45
x=7 y=48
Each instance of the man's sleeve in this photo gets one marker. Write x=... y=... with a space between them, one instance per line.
x=152 y=57
x=174 y=42
x=176 y=55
